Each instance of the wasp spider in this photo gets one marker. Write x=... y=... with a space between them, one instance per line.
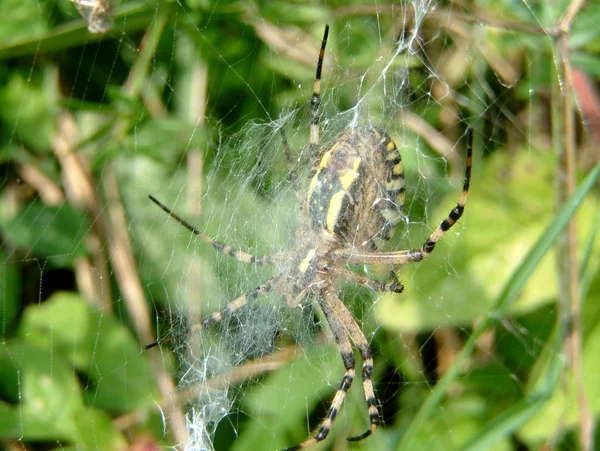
x=354 y=201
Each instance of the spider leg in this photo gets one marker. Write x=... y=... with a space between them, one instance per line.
x=341 y=337
x=232 y=307
x=238 y=254
x=416 y=255
x=385 y=258
x=457 y=211
x=392 y=283
x=295 y=301
x=315 y=101
x=361 y=343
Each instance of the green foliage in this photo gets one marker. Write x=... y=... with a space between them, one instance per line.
x=471 y=355
x=60 y=342
x=53 y=232
x=10 y=286
x=98 y=347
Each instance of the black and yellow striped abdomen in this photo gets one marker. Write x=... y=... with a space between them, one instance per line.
x=357 y=191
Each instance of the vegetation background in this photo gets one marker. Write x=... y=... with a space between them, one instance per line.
x=493 y=345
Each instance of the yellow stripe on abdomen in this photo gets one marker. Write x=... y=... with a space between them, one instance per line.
x=333 y=211
x=348 y=178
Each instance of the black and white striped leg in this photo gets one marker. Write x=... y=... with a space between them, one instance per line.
x=457 y=211
x=360 y=341
x=315 y=101
x=238 y=254
x=392 y=283
x=230 y=308
x=341 y=338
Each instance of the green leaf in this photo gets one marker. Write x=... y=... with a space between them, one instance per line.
x=461 y=418
x=28 y=101
x=505 y=424
x=94 y=429
x=586 y=62
x=97 y=346
x=46 y=401
x=167 y=139
x=21 y=19
x=45 y=388
x=308 y=375
x=10 y=293
x=508 y=296
x=130 y=17
x=562 y=409
x=57 y=233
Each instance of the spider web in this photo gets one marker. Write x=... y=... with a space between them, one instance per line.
x=107 y=102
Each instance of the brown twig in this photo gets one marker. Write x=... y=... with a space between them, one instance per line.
x=195 y=169
x=292 y=42
x=126 y=273
x=586 y=422
x=564 y=24
x=92 y=276
x=440 y=16
x=573 y=339
x=438 y=142
x=48 y=190
x=121 y=253
x=236 y=375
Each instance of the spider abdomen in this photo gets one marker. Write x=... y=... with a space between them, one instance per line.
x=357 y=191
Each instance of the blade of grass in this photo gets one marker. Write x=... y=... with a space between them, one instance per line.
x=546 y=375
x=130 y=18
x=588 y=274
x=508 y=295
x=507 y=422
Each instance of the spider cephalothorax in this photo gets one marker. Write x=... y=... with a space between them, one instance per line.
x=353 y=203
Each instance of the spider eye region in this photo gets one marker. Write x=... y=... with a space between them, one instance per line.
x=357 y=191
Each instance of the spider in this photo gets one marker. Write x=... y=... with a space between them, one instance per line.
x=354 y=201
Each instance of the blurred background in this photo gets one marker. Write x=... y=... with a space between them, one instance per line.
x=494 y=343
